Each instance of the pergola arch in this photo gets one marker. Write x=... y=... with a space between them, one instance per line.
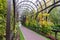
x=29 y=9
x=23 y=9
x=53 y=8
x=16 y=4
x=27 y=1
x=45 y=4
x=25 y=5
x=52 y=5
x=39 y=4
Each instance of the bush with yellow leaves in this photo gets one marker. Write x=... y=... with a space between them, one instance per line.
x=45 y=25
x=27 y=21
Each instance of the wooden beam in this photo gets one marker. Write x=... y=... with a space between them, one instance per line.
x=8 y=20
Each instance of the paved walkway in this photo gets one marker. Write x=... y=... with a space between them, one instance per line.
x=30 y=35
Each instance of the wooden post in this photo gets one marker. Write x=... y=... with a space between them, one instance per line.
x=56 y=35
x=14 y=13
x=8 y=20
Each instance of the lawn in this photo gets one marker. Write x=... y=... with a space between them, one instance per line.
x=21 y=36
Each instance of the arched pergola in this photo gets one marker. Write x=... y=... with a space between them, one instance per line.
x=50 y=6
x=27 y=2
x=17 y=4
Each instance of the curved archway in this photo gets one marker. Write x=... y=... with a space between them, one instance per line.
x=40 y=4
x=26 y=1
x=25 y=5
x=21 y=8
x=45 y=4
x=53 y=8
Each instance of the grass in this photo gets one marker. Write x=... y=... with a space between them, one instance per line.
x=21 y=36
x=20 y=33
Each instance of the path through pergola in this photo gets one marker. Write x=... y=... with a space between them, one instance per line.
x=31 y=35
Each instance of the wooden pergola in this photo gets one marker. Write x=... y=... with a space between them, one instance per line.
x=9 y=34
